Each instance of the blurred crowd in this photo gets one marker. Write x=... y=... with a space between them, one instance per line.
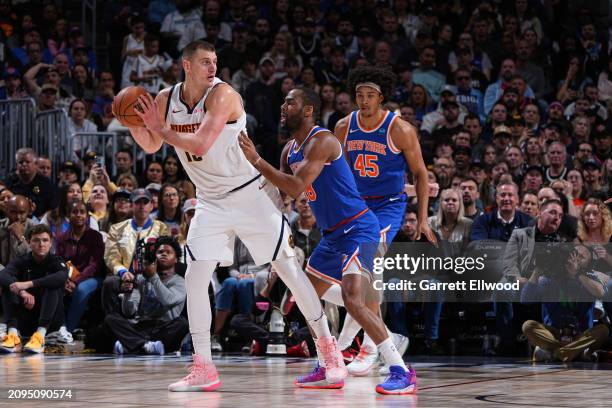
x=512 y=101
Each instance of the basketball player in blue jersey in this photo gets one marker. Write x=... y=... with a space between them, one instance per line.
x=379 y=147
x=313 y=162
x=202 y=118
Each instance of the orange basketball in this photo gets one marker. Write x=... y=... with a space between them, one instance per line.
x=124 y=104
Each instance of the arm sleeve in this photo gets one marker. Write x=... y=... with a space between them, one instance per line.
x=55 y=279
x=9 y=274
x=173 y=294
x=112 y=255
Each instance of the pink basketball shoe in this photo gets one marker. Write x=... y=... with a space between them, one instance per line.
x=202 y=377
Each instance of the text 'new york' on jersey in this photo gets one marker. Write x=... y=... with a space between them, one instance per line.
x=378 y=166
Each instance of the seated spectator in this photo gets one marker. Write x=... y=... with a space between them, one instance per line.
x=44 y=166
x=245 y=280
x=133 y=46
x=32 y=287
x=149 y=320
x=14 y=87
x=567 y=331
x=124 y=161
x=98 y=202
x=83 y=83
x=14 y=229
x=121 y=243
x=97 y=177
x=529 y=204
x=68 y=173
x=595 y=230
x=58 y=219
x=176 y=24
x=426 y=74
x=120 y=210
x=306 y=234
x=5 y=196
x=450 y=223
x=169 y=210
x=103 y=100
x=29 y=183
x=471 y=198
x=82 y=249
x=127 y=182
x=569 y=223
x=148 y=68
x=173 y=170
x=154 y=189
x=154 y=173
x=188 y=211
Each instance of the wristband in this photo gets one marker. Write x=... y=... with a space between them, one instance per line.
x=257 y=161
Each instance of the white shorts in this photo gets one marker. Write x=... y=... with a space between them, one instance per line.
x=253 y=214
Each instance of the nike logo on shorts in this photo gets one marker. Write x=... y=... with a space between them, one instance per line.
x=394 y=198
x=346 y=231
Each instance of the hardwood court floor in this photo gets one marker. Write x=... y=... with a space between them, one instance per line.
x=252 y=382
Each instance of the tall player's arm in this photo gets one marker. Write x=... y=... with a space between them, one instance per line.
x=319 y=150
x=222 y=105
x=146 y=138
x=404 y=137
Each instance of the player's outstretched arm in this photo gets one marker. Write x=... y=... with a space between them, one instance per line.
x=316 y=154
x=149 y=140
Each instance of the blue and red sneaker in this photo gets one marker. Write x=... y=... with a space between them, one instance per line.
x=316 y=380
x=398 y=382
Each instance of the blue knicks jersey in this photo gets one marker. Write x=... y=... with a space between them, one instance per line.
x=333 y=195
x=377 y=165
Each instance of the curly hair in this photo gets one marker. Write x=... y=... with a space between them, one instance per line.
x=383 y=77
x=606 y=220
x=170 y=241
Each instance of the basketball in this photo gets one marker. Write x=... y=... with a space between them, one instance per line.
x=124 y=104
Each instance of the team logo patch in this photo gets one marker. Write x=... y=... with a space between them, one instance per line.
x=382 y=131
x=291 y=241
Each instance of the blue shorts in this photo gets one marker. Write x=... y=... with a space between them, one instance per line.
x=390 y=212
x=355 y=242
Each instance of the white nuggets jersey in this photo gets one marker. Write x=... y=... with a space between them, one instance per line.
x=224 y=168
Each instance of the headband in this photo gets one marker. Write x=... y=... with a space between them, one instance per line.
x=370 y=84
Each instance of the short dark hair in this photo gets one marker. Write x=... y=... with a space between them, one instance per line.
x=310 y=98
x=170 y=241
x=37 y=230
x=193 y=46
x=472 y=179
x=550 y=202
x=128 y=151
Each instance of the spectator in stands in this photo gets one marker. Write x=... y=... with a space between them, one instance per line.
x=154 y=173
x=304 y=229
x=148 y=68
x=556 y=157
x=568 y=332
x=602 y=141
x=103 y=100
x=534 y=154
x=158 y=9
x=32 y=287
x=149 y=320
x=14 y=228
x=5 y=196
x=58 y=218
x=97 y=176
x=595 y=230
x=127 y=181
x=245 y=76
x=133 y=46
x=98 y=202
x=124 y=160
x=245 y=280
x=169 y=209
x=122 y=237
x=604 y=82
x=47 y=100
x=44 y=166
x=450 y=223
x=154 y=189
x=29 y=183
x=529 y=204
x=121 y=209
x=68 y=173
x=232 y=57
x=426 y=74
x=82 y=249
x=173 y=170
x=188 y=211
x=495 y=91
x=533 y=74
x=471 y=198
x=13 y=86
x=78 y=123
x=513 y=156
x=175 y=24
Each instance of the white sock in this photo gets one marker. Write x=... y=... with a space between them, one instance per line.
x=304 y=293
x=334 y=295
x=319 y=355
x=13 y=330
x=197 y=279
x=349 y=331
x=369 y=343
x=390 y=354
x=42 y=331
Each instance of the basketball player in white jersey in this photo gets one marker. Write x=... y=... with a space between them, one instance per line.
x=202 y=118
